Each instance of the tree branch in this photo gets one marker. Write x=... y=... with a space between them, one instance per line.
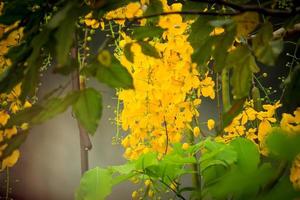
x=239 y=10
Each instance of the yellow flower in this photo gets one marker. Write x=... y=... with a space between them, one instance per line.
x=104 y=58
x=196 y=131
x=217 y=31
x=10 y=160
x=3 y=117
x=291 y=123
x=295 y=173
x=210 y=124
x=134 y=194
x=10 y=132
x=185 y=146
x=148 y=182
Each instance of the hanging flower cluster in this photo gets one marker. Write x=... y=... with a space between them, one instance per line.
x=9 y=101
x=167 y=89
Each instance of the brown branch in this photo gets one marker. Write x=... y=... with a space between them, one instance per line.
x=255 y=8
x=239 y=10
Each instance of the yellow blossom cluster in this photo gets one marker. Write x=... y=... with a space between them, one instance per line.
x=246 y=122
x=167 y=90
x=9 y=101
x=252 y=124
x=10 y=104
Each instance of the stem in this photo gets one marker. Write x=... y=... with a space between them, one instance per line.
x=196 y=178
x=78 y=83
x=218 y=102
x=7 y=183
x=225 y=90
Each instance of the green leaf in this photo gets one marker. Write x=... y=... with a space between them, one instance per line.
x=247 y=153
x=88 y=109
x=235 y=109
x=154 y=7
x=64 y=37
x=265 y=49
x=222 y=44
x=12 y=144
x=115 y=76
x=55 y=106
x=283 y=145
x=243 y=64
x=282 y=190
x=200 y=31
x=96 y=184
x=217 y=153
x=60 y=16
x=43 y=111
x=204 y=52
x=142 y=32
x=244 y=178
x=127 y=52
x=148 y=49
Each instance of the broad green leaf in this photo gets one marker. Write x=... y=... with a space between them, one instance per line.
x=246 y=23
x=142 y=32
x=243 y=65
x=148 y=49
x=217 y=153
x=248 y=156
x=115 y=75
x=265 y=48
x=239 y=184
x=177 y=159
x=96 y=184
x=146 y=160
x=283 y=145
x=88 y=109
x=282 y=190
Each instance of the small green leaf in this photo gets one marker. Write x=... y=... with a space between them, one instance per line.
x=64 y=37
x=235 y=109
x=222 y=44
x=148 y=49
x=243 y=65
x=154 y=7
x=42 y=111
x=127 y=52
x=96 y=184
x=12 y=144
x=115 y=76
x=142 y=32
x=265 y=48
x=200 y=31
x=88 y=109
